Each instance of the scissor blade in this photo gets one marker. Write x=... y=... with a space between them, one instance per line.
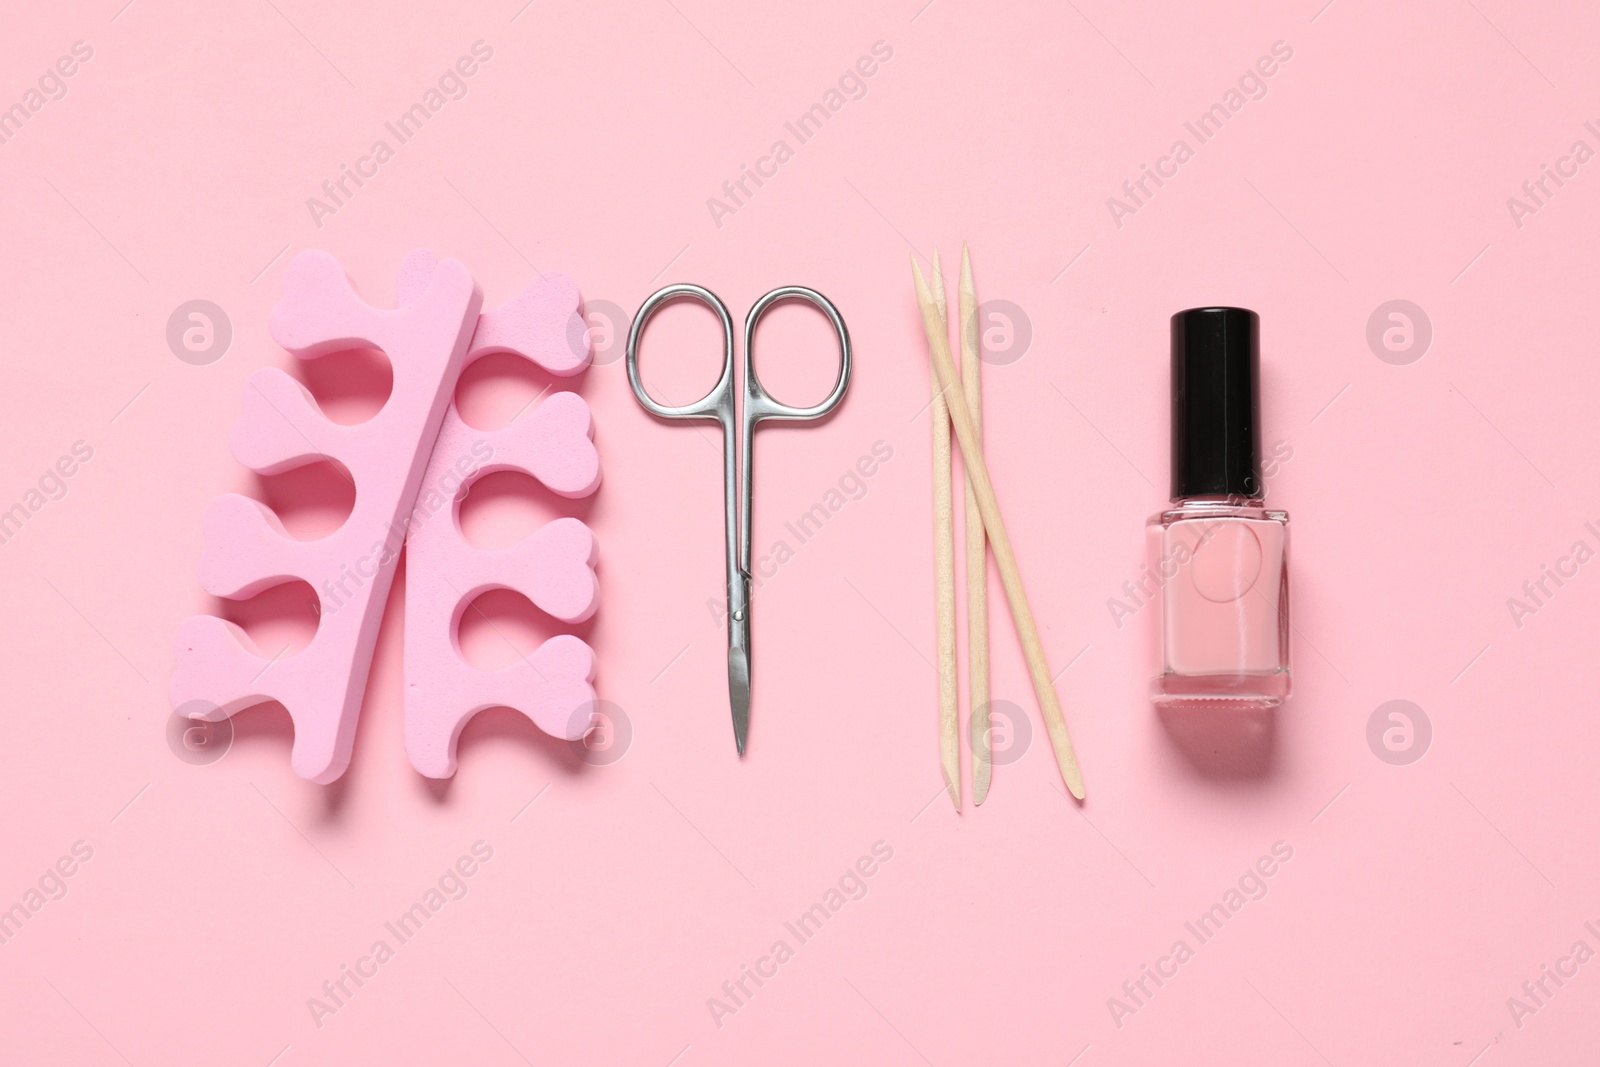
x=739 y=694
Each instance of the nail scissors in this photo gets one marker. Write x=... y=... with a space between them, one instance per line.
x=718 y=405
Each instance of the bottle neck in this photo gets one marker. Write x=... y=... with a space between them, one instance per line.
x=1218 y=500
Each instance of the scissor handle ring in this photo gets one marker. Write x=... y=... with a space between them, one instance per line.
x=716 y=404
x=759 y=404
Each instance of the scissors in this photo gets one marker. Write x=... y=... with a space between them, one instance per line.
x=718 y=405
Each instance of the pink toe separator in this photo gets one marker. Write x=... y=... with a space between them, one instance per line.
x=219 y=671
x=554 y=568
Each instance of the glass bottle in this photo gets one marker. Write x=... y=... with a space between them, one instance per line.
x=1218 y=559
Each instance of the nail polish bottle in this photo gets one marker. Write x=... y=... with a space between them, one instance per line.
x=1218 y=558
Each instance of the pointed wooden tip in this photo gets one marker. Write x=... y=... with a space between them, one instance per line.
x=923 y=295
x=966 y=270
x=954 y=790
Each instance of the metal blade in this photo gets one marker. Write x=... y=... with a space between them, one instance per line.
x=739 y=694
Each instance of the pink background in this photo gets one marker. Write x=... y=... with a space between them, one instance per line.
x=1418 y=898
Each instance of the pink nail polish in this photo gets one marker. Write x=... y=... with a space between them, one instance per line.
x=1218 y=558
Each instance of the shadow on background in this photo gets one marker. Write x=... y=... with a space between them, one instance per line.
x=1226 y=744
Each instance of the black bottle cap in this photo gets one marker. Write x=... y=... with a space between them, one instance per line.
x=1216 y=403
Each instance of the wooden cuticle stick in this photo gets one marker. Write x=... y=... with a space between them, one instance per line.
x=949 y=385
x=944 y=565
x=977 y=547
